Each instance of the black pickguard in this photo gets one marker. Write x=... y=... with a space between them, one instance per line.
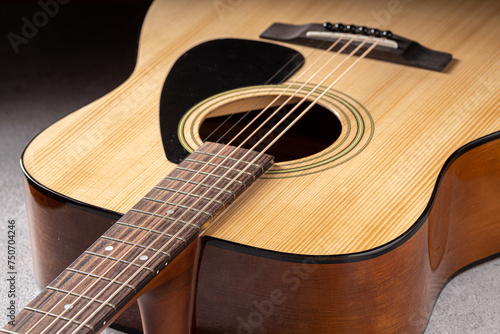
x=212 y=68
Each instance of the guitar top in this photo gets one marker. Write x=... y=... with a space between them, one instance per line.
x=397 y=125
x=374 y=179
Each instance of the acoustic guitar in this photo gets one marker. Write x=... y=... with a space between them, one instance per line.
x=358 y=143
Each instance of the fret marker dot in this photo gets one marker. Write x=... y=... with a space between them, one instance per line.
x=68 y=306
x=104 y=323
x=143 y=258
x=170 y=211
x=157 y=272
x=109 y=248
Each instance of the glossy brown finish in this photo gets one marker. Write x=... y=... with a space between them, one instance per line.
x=391 y=293
x=167 y=307
x=374 y=296
x=241 y=293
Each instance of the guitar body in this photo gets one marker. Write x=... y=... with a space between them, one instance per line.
x=359 y=236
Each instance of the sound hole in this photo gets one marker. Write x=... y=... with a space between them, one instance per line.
x=315 y=131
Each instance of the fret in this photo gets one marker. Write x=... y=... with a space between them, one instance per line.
x=114 y=281
x=126 y=252
x=78 y=323
x=55 y=305
x=201 y=185
x=53 y=309
x=143 y=241
x=155 y=208
x=200 y=203
x=197 y=202
x=119 y=260
x=74 y=294
x=194 y=188
x=175 y=220
x=172 y=211
x=69 y=304
x=253 y=168
x=157 y=238
x=220 y=166
x=139 y=264
x=93 y=287
x=148 y=213
x=152 y=231
x=228 y=173
x=128 y=229
x=185 y=207
x=187 y=194
x=154 y=250
x=111 y=252
x=210 y=173
x=228 y=158
x=214 y=195
x=213 y=180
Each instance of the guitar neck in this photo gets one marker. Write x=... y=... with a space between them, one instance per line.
x=111 y=272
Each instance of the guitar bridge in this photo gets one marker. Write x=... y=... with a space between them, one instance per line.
x=391 y=48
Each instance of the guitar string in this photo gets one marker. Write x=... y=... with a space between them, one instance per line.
x=160 y=207
x=165 y=245
x=268 y=82
x=241 y=159
x=136 y=244
x=319 y=96
x=274 y=87
x=199 y=212
x=290 y=125
x=295 y=92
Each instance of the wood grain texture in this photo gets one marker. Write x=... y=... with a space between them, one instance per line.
x=109 y=154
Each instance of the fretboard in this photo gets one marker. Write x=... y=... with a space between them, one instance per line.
x=135 y=249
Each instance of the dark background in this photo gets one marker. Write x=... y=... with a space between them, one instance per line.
x=81 y=53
